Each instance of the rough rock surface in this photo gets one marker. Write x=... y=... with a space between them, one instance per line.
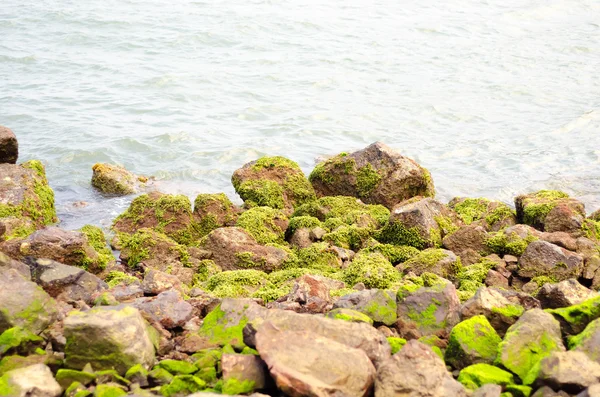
x=168 y=308
x=416 y=371
x=566 y=293
x=7 y=263
x=114 y=179
x=32 y=381
x=545 y=259
x=379 y=305
x=550 y=211
x=156 y=282
x=570 y=371
x=9 y=146
x=245 y=367
x=295 y=362
x=465 y=238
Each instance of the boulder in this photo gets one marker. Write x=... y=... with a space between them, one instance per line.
x=416 y=371
x=533 y=337
x=294 y=361
x=472 y=341
x=466 y=238
x=32 y=381
x=212 y=211
x=245 y=368
x=477 y=375
x=274 y=182
x=571 y=371
x=9 y=146
x=108 y=337
x=168 y=309
x=376 y=174
x=545 y=259
x=234 y=248
x=566 y=293
x=550 y=211
x=115 y=180
x=24 y=192
x=573 y=319
x=63 y=282
x=379 y=305
x=489 y=214
x=24 y=304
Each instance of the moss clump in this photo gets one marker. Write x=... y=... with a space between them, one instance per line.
x=591 y=229
x=97 y=240
x=499 y=214
x=219 y=330
x=373 y=270
x=206 y=268
x=178 y=367
x=115 y=278
x=350 y=237
x=518 y=390
x=502 y=244
x=471 y=278
x=318 y=257
x=367 y=180
x=135 y=371
x=472 y=209
x=397 y=234
x=537 y=206
x=109 y=391
x=429 y=261
x=353 y=316
x=183 y=385
x=67 y=376
x=262 y=192
x=349 y=210
x=394 y=253
x=578 y=316
x=300 y=222
x=514 y=311
x=412 y=284
x=235 y=283
x=213 y=210
x=472 y=341
x=477 y=375
x=396 y=343
x=233 y=386
x=584 y=338
x=262 y=224
x=18 y=339
x=138 y=246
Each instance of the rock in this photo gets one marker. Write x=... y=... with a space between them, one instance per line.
x=592 y=391
x=489 y=214
x=114 y=179
x=550 y=211
x=313 y=292
x=573 y=319
x=376 y=174
x=588 y=341
x=7 y=263
x=488 y=390
x=9 y=146
x=476 y=375
x=421 y=224
x=441 y=262
x=32 y=381
x=245 y=367
x=472 y=341
x=67 y=283
x=546 y=391
x=24 y=304
x=496 y=279
x=15 y=227
x=212 y=211
x=427 y=310
x=266 y=225
x=379 y=305
x=301 y=238
x=545 y=259
x=571 y=371
x=349 y=315
x=108 y=337
x=274 y=182
x=465 y=238
x=156 y=282
x=24 y=192
x=416 y=371
x=566 y=293
x=562 y=239
x=533 y=337
x=168 y=309
x=234 y=248
x=294 y=362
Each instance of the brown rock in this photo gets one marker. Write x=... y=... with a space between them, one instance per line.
x=566 y=293
x=559 y=212
x=245 y=367
x=114 y=179
x=467 y=237
x=7 y=263
x=570 y=371
x=562 y=239
x=495 y=279
x=301 y=238
x=168 y=309
x=214 y=210
x=9 y=146
x=545 y=259
x=156 y=282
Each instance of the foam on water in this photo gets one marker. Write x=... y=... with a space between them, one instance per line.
x=494 y=98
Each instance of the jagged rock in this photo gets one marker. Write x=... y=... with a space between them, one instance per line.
x=168 y=309
x=566 y=293
x=545 y=259
x=533 y=337
x=496 y=279
x=24 y=304
x=550 y=211
x=376 y=174
x=379 y=305
x=313 y=292
x=114 y=179
x=570 y=371
x=32 y=381
x=245 y=367
x=294 y=362
x=416 y=371
x=7 y=263
x=234 y=248
x=63 y=282
x=156 y=282
x=119 y=330
x=467 y=237
x=9 y=146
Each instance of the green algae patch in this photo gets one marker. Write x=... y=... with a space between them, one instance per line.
x=218 y=330
x=65 y=377
x=433 y=260
x=578 y=316
x=532 y=209
x=349 y=236
x=396 y=343
x=477 y=375
x=591 y=229
x=213 y=210
x=398 y=234
x=266 y=225
x=302 y=222
x=472 y=341
x=97 y=240
x=115 y=278
x=261 y=193
x=470 y=210
x=177 y=367
x=234 y=386
x=235 y=283
x=350 y=315
x=411 y=284
x=514 y=311
x=471 y=278
x=183 y=385
x=109 y=391
x=373 y=270
x=502 y=244
x=393 y=253
x=347 y=210
x=18 y=339
x=144 y=243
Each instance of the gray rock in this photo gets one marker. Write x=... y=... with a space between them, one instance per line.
x=168 y=308
x=156 y=282
x=379 y=305
x=32 y=381
x=245 y=367
x=566 y=293
x=489 y=390
x=545 y=259
x=570 y=371
x=7 y=263
x=9 y=146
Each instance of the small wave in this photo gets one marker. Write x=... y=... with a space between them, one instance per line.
x=28 y=59
x=579 y=123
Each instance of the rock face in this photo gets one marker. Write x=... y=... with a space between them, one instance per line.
x=32 y=381
x=533 y=337
x=571 y=371
x=379 y=305
x=294 y=361
x=416 y=371
x=24 y=304
x=545 y=259
x=113 y=337
x=114 y=179
x=550 y=211
x=566 y=293
x=9 y=146
x=274 y=182
x=24 y=192
x=376 y=174
x=233 y=248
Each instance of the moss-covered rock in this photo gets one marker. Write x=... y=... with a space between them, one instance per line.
x=109 y=391
x=471 y=278
x=177 y=367
x=265 y=224
x=349 y=236
x=394 y=253
x=396 y=343
x=302 y=222
x=349 y=315
x=379 y=305
x=575 y=318
x=183 y=385
x=477 y=375
x=236 y=283
x=506 y=243
x=472 y=341
x=335 y=211
x=95 y=237
x=542 y=258
x=433 y=260
x=376 y=174
x=12 y=227
x=493 y=215
x=274 y=182
x=550 y=211
x=588 y=341
x=114 y=179
x=17 y=340
x=373 y=270
x=67 y=376
x=213 y=210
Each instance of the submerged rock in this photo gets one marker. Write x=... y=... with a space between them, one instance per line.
x=9 y=146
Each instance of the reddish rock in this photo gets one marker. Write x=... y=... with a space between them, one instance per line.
x=9 y=147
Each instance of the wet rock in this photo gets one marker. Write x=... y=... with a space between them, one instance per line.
x=7 y=263
x=550 y=211
x=113 y=337
x=465 y=238
x=156 y=282
x=24 y=192
x=234 y=248
x=566 y=293
x=545 y=259
x=168 y=308
x=379 y=305
x=294 y=362
x=472 y=341
x=441 y=262
x=274 y=182
x=63 y=282
x=416 y=371
x=9 y=146
x=32 y=381
x=533 y=337
x=571 y=371
x=376 y=174
x=245 y=367
x=24 y=304
x=114 y=179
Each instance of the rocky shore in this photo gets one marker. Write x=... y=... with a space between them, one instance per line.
x=353 y=281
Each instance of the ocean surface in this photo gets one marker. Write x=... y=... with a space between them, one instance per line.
x=495 y=98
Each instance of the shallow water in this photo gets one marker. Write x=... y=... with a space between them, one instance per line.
x=494 y=98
